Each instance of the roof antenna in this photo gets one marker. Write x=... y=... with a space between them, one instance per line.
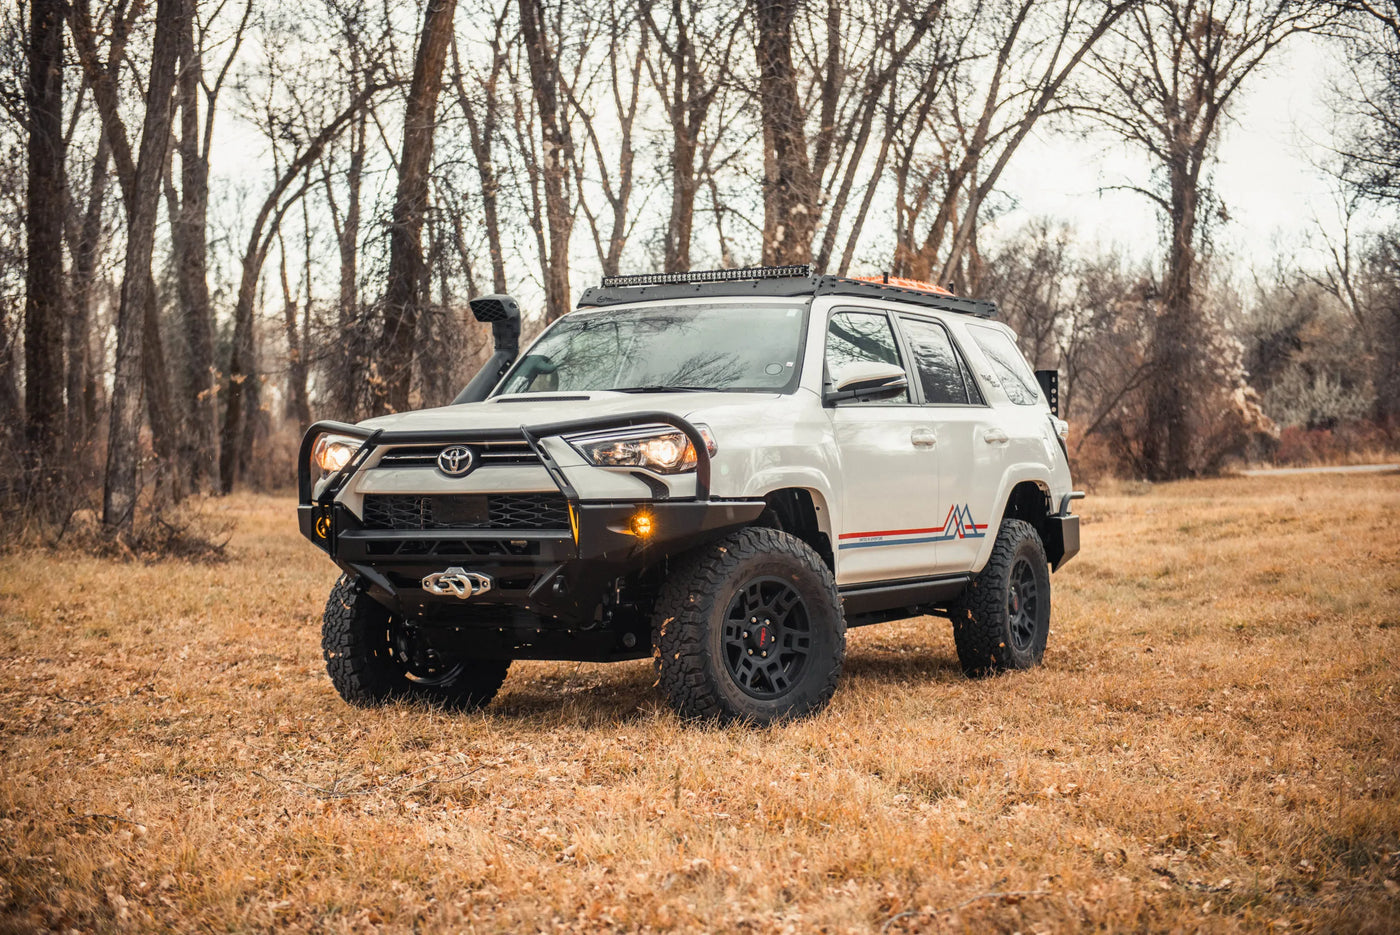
x=886 y=276
x=951 y=284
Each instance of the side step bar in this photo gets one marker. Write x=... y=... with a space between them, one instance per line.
x=877 y=597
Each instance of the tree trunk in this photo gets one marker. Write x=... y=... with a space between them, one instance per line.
x=557 y=143
x=789 y=187
x=348 y=238
x=82 y=386
x=406 y=267
x=240 y=387
x=44 y=220
x=298 y=404
x=188 y=234
x=123 y=446
x=1167 y=443
x=482 y=129
x=149 y=361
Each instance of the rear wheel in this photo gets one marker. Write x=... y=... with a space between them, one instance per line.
x=749 y=628
x=1002 y=620
x=371 y=661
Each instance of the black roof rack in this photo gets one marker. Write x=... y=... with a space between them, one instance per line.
x=767 y=281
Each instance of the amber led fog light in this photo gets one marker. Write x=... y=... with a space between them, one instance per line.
x=641 y=524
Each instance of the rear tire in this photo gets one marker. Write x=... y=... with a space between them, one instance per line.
x=1002 y=620
x=749 y=628
x=365 y=657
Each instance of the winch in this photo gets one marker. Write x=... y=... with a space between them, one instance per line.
x=457 y=582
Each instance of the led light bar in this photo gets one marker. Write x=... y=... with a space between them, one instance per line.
x=708 y=275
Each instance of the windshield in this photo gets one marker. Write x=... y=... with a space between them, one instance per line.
x=732 y=346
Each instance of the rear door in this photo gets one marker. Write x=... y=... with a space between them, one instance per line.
x=953 y=411
x=889 y=488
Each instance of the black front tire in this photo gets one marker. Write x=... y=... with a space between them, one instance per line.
x=368 y=666
x=749 y=628
x=1002 y=620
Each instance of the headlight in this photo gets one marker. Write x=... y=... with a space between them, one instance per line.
x=656 y=448
x=333 y=452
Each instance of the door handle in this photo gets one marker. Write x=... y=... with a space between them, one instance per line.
x=923 y=438
x=995 y=437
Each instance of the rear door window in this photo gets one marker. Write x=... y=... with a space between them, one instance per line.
x=942 y=374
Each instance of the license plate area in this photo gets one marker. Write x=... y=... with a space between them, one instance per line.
x=459 y=510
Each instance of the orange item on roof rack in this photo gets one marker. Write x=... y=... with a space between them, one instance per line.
x=917 y=285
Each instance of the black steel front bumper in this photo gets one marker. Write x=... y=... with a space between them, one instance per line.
x=556 y=577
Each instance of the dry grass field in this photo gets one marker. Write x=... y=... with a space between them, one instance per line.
x=1212 y=745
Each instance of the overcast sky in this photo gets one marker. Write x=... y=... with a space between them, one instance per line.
x=1267 y=173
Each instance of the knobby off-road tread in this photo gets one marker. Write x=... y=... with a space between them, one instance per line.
x=358 y=664
x=355 y=644
x=698 y=588
x=980 y=616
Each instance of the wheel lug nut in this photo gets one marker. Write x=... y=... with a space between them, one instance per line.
x=746 y=634
x=751 y=652
x=765 y=654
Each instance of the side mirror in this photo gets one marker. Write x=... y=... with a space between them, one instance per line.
x=869 y=380
x=502 y=313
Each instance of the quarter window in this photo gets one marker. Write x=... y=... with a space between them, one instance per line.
x=1010 y=367
x=860 y=337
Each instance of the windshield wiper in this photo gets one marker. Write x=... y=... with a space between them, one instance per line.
x=663 y=388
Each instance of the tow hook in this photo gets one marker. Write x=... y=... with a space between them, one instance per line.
x=457 y=582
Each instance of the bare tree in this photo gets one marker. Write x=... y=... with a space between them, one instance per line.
x=45 y=304
x=1173 y=73
x=1370 y=144
x=102 y=78
x=556 y=153
x=133 y=320
x=235 y=444
x=790 y=187
x=608 y=147
x=689 y=76
x=981 y=99
x=402 y=293
x=188 y=230
x=482 y=111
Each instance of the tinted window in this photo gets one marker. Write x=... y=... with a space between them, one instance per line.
x=1008 y=364
x=860 y=337
x=730 y=346
x=940 y=371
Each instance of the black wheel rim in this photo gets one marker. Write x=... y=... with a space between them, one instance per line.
x=425 y=672
x=1023 y=605
x=767 y=637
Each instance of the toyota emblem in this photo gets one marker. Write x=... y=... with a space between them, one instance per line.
x=456 y=460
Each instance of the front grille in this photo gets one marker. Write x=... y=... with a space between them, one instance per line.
x=502 y=451
x=466 y=511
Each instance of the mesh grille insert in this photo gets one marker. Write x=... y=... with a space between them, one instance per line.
x=466 y=511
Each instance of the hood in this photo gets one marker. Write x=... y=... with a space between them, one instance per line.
x=511 y=412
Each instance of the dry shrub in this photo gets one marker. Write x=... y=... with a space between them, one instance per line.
x=275 y=467
x=1352 y=443
x=61 y=511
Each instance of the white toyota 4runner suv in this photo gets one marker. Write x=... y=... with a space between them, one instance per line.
x=721 y=470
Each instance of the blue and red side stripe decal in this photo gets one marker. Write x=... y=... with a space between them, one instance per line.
x=957 y=525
